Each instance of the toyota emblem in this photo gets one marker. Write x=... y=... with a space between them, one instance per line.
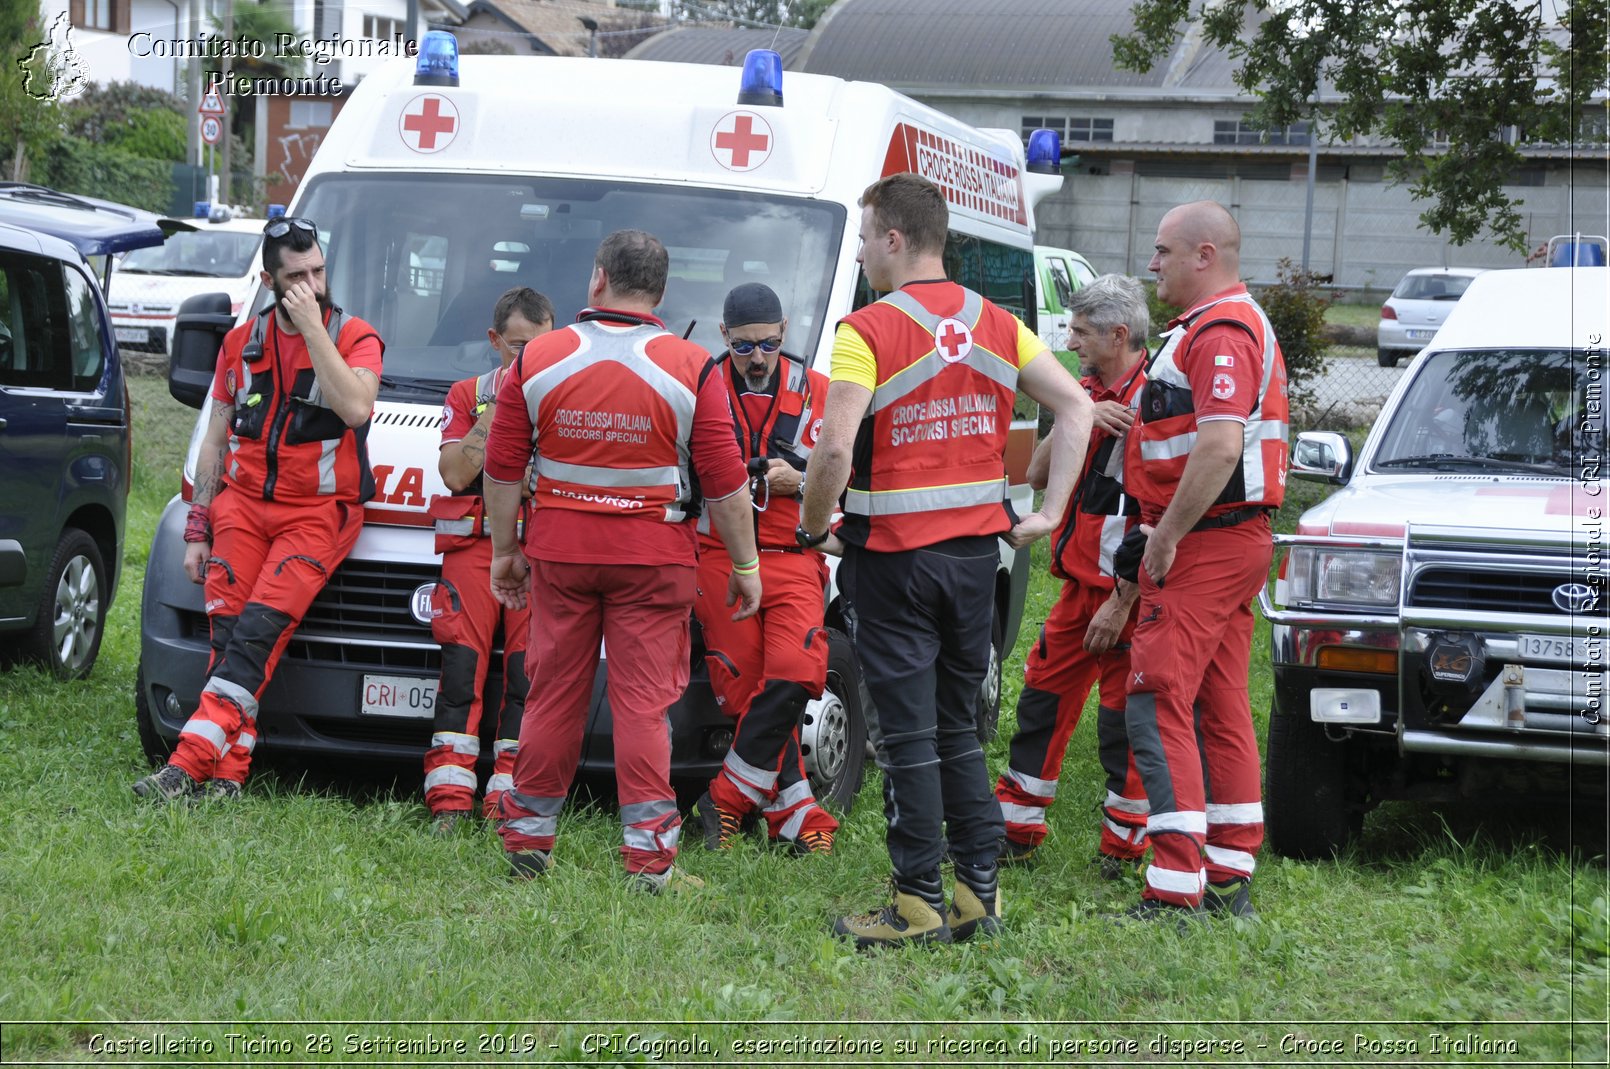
x=1575 y=597
x=419 y=606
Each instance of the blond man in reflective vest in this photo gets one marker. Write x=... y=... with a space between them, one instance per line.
x=923 y=384
x=1206 y=459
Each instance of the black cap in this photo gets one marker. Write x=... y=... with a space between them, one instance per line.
x=753 y=302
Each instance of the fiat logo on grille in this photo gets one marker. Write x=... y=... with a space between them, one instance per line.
x=419 y=605
x=1575 y=597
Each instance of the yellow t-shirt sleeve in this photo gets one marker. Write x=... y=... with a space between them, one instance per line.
x=852 y=359
x=1029 y=344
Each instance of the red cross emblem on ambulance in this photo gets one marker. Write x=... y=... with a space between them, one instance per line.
x=429 y=123
x=741 y=141
x=952 y=340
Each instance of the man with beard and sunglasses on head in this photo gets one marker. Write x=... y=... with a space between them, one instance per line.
x=280 y=480
x=764 y=669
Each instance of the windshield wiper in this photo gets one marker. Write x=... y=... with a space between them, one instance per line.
x=434 y=387
x=1450 y=461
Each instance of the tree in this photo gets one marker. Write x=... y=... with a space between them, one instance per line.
x=1440 y=79
x=27 y=112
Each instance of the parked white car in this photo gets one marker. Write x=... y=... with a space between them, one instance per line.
x=1417 y=307
x=149 y=285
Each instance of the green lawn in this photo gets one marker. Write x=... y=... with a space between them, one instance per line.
x=309 y=903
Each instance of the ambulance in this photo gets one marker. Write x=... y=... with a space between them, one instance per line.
x=444 y=183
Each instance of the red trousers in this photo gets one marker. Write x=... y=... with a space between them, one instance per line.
x=1057 y=679
x=467 y=618
x=641 y=614
x=751 y=663
x=1189 y=720
x=269 y=561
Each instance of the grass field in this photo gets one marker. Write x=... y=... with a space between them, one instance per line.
x=318 y=921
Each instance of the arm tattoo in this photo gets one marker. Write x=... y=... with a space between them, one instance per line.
x=473 y=448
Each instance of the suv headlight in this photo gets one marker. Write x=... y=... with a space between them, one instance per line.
x=1343 y=576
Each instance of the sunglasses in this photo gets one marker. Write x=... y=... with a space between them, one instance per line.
x=744 y=348
x=280 y=227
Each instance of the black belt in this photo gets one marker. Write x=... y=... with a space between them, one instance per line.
x=1231 y=518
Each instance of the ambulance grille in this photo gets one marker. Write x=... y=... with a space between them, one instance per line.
x=370 y=600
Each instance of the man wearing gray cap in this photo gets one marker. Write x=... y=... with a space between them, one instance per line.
x=765 y=668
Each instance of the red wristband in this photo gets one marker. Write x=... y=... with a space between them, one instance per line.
x=198 y=525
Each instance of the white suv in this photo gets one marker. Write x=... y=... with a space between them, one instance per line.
x=1438 y=625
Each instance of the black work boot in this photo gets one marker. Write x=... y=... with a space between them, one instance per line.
x=975 y=903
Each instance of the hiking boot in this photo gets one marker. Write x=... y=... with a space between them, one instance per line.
x=529 y=864
x=722 y=827
x=975 y=908
x=1232 y=898
x=910 y=918
x=672 y=881
x=1016 y=853
x=819 y=841
x=1155 y=911
x=170 y=783
x=221 y=790
x=1112 y=867
x=448 y=821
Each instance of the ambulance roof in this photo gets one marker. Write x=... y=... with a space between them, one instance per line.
x=671 y=123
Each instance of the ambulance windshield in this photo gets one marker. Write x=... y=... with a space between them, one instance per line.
x=425 y=257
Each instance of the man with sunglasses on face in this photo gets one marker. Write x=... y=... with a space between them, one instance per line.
x=765 y=668
x=280 y=479
x=464 y=614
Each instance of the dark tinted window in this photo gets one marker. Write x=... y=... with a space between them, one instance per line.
x=35 y=344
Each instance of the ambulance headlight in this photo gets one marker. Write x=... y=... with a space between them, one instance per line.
x=762 y=84
x=1045 y=151
x=437 y=63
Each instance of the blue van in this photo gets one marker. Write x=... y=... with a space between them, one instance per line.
x=64 y=423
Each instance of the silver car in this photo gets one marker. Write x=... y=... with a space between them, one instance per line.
x=1411 y=316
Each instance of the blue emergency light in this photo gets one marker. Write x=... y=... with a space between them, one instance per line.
x=1045 y=151
x=275 y=211
x=438 y=60
x=200 y=209
x=762 y=84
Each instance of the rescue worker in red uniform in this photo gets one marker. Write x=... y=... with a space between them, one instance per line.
x=920 y=403
x=630 y=425
x=1086 y=636
x=280 y=480
x=766 y=668
x=1206 y=459
x=465 y=615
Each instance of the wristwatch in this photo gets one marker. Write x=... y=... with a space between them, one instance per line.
x=808 y=540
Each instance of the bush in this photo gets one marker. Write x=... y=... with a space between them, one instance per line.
x=73 y=165
x=1296 y=309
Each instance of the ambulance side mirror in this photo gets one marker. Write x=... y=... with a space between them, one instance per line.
x=1031 y=303
x=198 y=334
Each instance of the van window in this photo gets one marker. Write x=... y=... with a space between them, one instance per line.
x=36 y=352
x=1060 y=280
x=196 y=254
x=85 y=341
x=425 y=257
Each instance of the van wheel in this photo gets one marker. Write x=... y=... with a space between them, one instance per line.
x=151 y=741
x=989 y=692
x=1387 y=357
x=72 y=609
x=1312 y=810
x=832 y=733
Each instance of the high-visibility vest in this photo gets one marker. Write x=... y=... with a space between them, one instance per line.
x=787 y=432
x=612 y=414
x=1164 y=433
x=928 y=463
x=1100 y=511
x=286 y=443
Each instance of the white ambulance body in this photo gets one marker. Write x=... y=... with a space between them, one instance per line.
x=432 y=200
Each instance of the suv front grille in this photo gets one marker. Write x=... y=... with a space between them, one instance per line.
x=1480 y=590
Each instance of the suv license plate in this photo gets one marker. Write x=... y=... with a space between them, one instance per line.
x=1558 y=649
x=132 y=335
x=403 y=696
